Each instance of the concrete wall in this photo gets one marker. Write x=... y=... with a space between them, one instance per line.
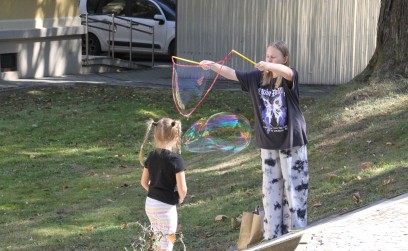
x=330 y=41
x=44 y=34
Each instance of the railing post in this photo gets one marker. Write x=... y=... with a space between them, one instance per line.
x=131 y=42
x=86 y=38
x=113 y=36
x=153 y=48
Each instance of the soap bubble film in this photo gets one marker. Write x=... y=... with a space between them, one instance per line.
x=191 y=83
x=223 y=132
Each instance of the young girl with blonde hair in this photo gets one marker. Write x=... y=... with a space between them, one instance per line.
x=280 y=133
x=164 y=178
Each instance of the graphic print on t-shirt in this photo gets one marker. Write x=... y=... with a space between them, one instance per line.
x=273 y=110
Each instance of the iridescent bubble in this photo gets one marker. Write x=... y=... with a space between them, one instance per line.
x=224 y=132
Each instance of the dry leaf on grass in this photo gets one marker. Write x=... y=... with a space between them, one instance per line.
x=357 y=198
x=330 y=175
x=172 y=238
x=366 y=165
x=317 y=204
x=388 y=180
x=220 y=217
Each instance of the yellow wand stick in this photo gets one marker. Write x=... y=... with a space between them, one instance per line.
x=194 y=62
x=186 y=60
x=239 y=54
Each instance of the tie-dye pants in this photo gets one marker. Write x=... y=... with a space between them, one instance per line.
x=163 y=220
x=284 y=190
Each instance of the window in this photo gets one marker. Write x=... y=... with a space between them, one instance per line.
x=116 y=7
x=144 y=9
x=92 y=6
x=8 y=62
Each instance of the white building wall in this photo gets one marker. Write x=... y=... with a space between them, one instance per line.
x=330 y=41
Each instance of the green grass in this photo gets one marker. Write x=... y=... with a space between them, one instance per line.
x=70 y=172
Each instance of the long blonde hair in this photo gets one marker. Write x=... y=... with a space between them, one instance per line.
x=268 y=75
x=167 y=132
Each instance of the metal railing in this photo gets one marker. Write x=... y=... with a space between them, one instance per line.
x=89 y=20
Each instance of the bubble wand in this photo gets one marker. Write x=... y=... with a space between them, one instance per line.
x=186 y=60
x=176 y=95
x=234 y=51
x=239 y=54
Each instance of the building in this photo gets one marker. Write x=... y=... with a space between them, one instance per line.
x=330 y=41
x=40 y=38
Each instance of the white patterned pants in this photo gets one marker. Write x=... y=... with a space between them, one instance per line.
x=284 y=190
x=163 y=220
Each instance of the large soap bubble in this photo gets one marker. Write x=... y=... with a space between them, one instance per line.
x=224 y=132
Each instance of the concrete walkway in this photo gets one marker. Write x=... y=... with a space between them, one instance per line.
x=158 y=77
x=382 y=226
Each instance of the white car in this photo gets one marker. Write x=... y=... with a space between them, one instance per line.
x=160 y=14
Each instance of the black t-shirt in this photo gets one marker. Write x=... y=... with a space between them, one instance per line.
x=279 y=122
x=163 y=166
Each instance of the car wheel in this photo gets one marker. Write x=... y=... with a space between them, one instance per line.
x=94 y=46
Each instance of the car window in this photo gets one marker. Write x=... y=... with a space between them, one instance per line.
x=143 y=9
x=169 y=8
x=91 y=6
x=116 y=7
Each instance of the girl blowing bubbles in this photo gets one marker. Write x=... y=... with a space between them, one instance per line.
x=164 y=179
x=280 y=133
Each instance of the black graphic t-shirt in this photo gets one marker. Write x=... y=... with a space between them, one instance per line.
x=163 y=166
x=279 y=122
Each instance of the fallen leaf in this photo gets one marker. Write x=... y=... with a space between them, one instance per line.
x=388 y=180
x=331 y=175
x=357 y=198
x=172 y=238
x=236 y=222
x=366 y=165
x=317 y=204
x=89 y=228
x=220 y=217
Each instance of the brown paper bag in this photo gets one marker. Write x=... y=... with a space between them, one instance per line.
x=251 y=231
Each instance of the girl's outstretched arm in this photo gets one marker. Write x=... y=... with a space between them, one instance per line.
x=224 y=71
x=279 y=69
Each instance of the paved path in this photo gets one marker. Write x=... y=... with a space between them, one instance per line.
x=382 y=226
x=158 y=77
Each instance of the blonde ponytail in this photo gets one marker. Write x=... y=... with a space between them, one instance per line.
x=149 y=124
x=166 y=132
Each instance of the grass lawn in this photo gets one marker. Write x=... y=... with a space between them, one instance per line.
x=70 y=172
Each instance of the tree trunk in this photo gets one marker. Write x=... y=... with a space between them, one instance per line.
x=390 y=59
